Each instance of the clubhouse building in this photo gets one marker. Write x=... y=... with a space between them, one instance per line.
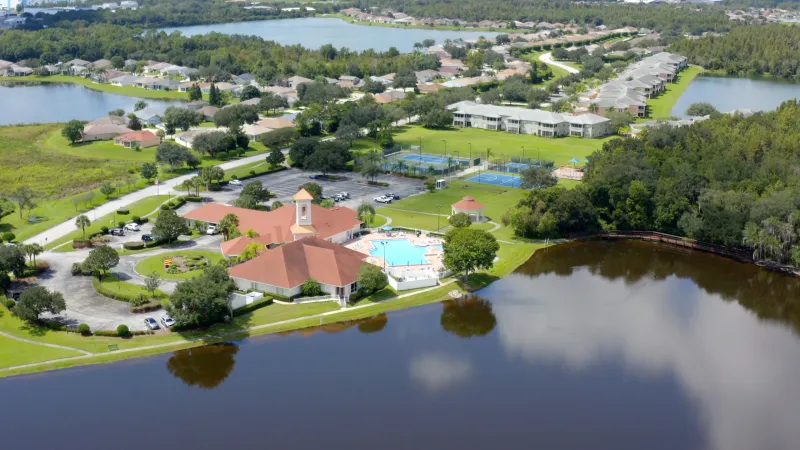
x=528 y=121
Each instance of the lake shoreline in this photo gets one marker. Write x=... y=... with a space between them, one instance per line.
x=417 y=27
x=127 y=91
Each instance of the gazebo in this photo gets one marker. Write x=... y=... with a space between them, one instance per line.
x=469 y=206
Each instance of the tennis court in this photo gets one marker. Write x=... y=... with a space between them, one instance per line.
x=518 y=166
x=430 y=159
x=496 y=179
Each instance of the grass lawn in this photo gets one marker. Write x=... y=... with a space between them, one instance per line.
x=377 y=221
x=112 y=285
x=155 y=263
x=412 y=219
x=661 y=106
x=501 y=143
x=15 y=353
x=39 y=157
x=129 y=91
x=141 y=208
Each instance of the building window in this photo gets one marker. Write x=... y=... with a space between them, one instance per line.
x=354 y=287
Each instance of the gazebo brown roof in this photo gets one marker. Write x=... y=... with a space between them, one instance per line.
x=468 y=203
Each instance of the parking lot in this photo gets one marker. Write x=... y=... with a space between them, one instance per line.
x=286 y=183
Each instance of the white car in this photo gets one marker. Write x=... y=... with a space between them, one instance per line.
x=151 y=323
x=212 y=229
x=167 y=321
x=235 y=183
x=132 y=227
x=383 y=199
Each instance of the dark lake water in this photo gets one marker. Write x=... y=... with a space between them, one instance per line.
x=727 y=94
x=60 y=102
x=624 y=346
x=315 y=32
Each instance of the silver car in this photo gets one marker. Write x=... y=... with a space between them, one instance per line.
x=151 y=323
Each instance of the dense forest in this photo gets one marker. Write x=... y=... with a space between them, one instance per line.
x=665 y=18
x=164 y=13
x=730 y=180
x=748 y=51
x=267 y=60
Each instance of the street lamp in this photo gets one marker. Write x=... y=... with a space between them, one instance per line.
x=420 y=151
x=438 y=217
x=445 y=147
x=458 y=162
x=523 y=153
x=470 y=153
x=383 y=243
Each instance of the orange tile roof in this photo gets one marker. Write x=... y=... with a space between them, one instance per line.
x=275 y=226
x=236 y=246
x=292 y=264
x=468 y=203
x=276 y=122
x=302 y=194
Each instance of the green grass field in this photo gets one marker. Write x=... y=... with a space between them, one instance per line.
x=128 y=91
x=15 y=353
x=113 y=285
x=155 y=263
x=39 y=157
x=661 y=106
x=501 y=143
x=141 y=208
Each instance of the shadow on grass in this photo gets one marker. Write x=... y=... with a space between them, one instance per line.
x=476 y=281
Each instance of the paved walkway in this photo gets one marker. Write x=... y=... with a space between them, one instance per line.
x=89 y=355
x=165 y=187
x=44 y=344
x=547 y=58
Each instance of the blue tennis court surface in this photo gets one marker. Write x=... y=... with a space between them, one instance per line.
x=497 y=179
x=517 y=165
x=429 y=159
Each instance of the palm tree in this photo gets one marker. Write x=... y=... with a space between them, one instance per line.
x=82 y=222
x=450 y=162
x=401 y=166
x=251 y=233
x=366 y=213
x=593 y=107
x=431 y=171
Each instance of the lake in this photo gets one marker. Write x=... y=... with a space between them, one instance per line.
x=727 y=94
x=601 y=345
x=62 y=102
x=315 y=32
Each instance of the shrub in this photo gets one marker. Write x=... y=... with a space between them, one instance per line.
x=76 y=269
x=164 y=207
x=81 y=244
x=148 y=306
x=84 y=329
x=311 y=288
x=9 y=303
x=133 y=245
x=193 y=198
x=171 y=204
x=42 y=266
x=104 y=229
x=234 y=177
x=123 y=330
x=121 y=223
x=139 y=300
x=252 y=172
x=123 y=211
x=266 y=301
x=86 y=270
x=9 y=236
x=136 y=219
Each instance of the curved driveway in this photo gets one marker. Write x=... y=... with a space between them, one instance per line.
x=547 y=58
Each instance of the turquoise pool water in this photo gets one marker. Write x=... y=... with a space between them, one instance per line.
x=401 y=252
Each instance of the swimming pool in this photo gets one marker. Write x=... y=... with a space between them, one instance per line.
x=401 y=252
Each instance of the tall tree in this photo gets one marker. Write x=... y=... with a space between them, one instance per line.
x=37 y=300
x=82 y=222
x=102 y=259
x=73 y=131
x=229 y=225
x=169 y=225
x=469 y=249
x=25 y=198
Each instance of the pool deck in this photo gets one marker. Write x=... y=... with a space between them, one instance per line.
x=434 y=256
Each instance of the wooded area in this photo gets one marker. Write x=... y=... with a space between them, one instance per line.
x=748 y=51
x=729 y=180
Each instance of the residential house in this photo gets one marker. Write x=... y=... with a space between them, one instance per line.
x=254 y=131
x=100 y=132
x=276 y=123
x=187 y=138
x=528 y=121
x=140 y=139
x=350 y=82
x=15 y=70
x=4 y=63
x=244 y=79
x=151 y=116
x=155 y=67
x=110 y=120
x=124 y=80
x=427 y=88
x=101 y=64
x=380 y=80
x=208 y=112
x=424 y=76
x=390 y=96
x=197 y=104
x=297 y=81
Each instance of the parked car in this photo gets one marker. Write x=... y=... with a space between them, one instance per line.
x=167 y=321
x=147 y=238
x=151 y=323
x=117 y=232
x=383 y=199
x=132 y=227
x=235 y=183
x=392 y=196
x=338 y=197
x=315 y=177
x=344 y=194
x=212 y=229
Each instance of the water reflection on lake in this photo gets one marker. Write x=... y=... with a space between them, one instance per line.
x=60 y=102
x=314 y=32
x=596 y=345
x=727 y=94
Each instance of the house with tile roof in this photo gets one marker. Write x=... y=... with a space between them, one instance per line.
x=285 y=224
x=283 y=270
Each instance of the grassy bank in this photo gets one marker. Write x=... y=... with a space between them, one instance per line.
x=128 y=91
x=661 y=106
x=155 y=263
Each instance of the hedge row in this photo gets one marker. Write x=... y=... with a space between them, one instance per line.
x=114 y=333
x=123 y=297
